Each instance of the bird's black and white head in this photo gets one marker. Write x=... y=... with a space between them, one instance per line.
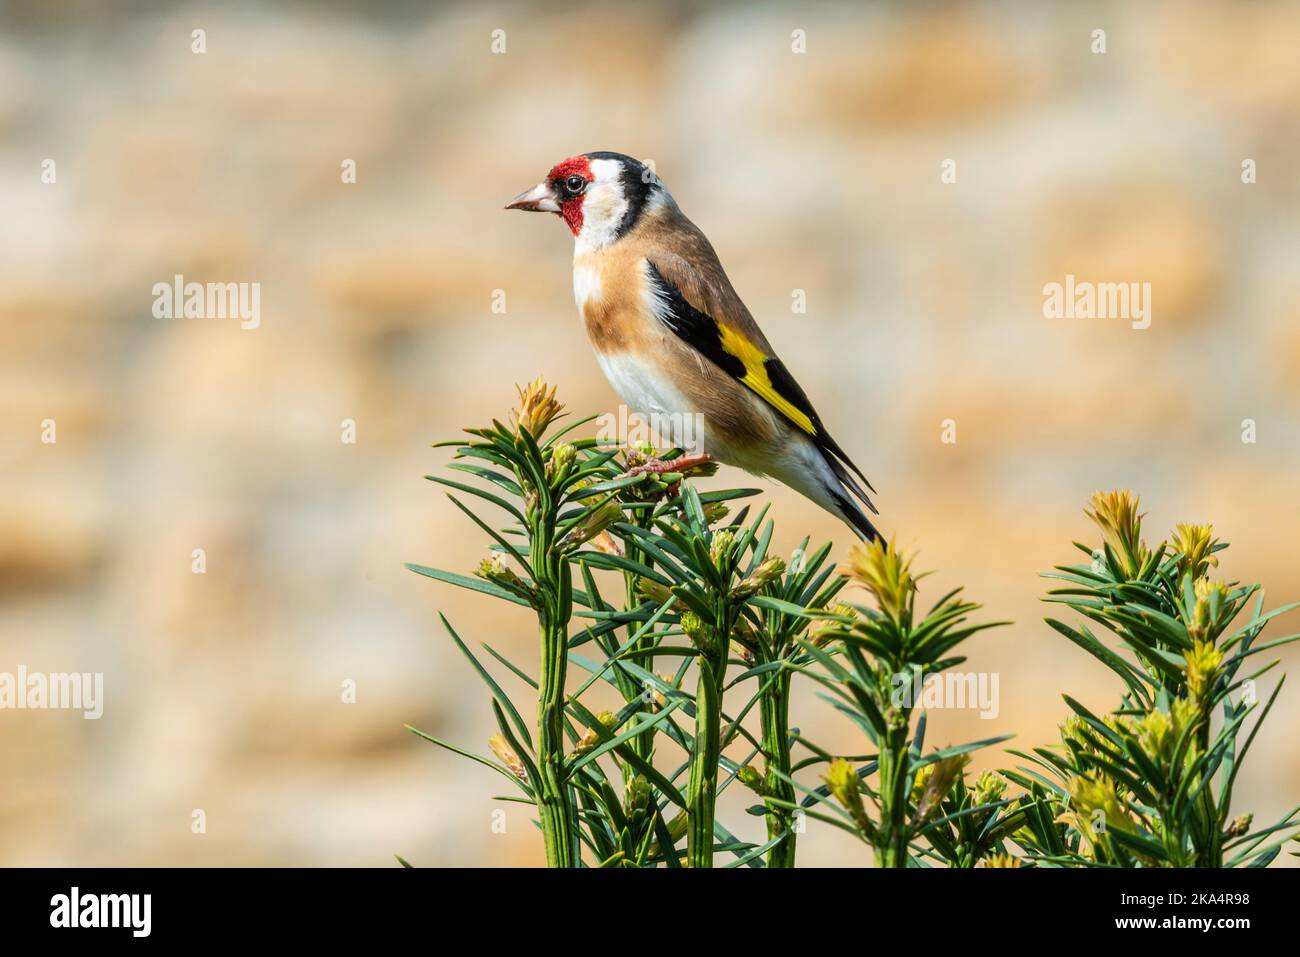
x=601 y=196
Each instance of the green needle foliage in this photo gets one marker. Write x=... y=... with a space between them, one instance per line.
x=788 y=605
x=1150 y=784
x=714 y=573
x=653 y=597
x=571 y=509
x=739 y=606
x=902 y=801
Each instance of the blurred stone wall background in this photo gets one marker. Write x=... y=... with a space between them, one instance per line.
x=817 y=171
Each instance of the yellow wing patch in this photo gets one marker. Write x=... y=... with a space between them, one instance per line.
x=758 y=380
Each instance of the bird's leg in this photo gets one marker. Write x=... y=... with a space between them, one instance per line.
x=654 y=466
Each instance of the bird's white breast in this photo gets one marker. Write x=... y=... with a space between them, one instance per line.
x=586 y=285
x=643 y=387
x=645 y=390
x=651 y=395
x=638 y=376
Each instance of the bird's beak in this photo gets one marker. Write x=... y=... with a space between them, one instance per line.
x=540 y=199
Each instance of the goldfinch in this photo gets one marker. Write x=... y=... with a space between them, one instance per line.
x=676 y=342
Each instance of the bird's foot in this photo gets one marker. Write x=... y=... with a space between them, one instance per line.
x=657 y=466
x=700 y=464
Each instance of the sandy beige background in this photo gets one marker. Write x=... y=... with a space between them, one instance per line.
x=818 y=172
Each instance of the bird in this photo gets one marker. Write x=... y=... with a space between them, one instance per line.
x=677 y=343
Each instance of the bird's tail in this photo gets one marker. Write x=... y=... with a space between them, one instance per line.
x=830 y=480
x=847 y=495
x=847 y=488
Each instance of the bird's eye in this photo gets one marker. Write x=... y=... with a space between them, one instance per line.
x=574 y=185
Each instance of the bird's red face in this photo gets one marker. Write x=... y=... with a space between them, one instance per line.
x=562 y=192
x=601 y=196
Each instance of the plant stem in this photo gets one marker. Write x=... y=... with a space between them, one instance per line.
x=891 y=845
x=775 y=707
x=555 y=606
x=643 y=744
x=1211 y=854
x=702 y=790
